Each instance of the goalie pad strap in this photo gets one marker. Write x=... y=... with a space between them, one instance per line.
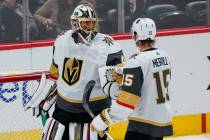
x=53 y=130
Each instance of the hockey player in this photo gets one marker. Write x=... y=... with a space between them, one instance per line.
x=144 y=96
x=77 y=56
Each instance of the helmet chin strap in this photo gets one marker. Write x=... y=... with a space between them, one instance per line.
x=87 y=42
x=85 y=37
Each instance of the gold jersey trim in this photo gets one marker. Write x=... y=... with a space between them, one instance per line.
x=149 y=121
x=80 y=101
x=128 y=98
x=54 y=71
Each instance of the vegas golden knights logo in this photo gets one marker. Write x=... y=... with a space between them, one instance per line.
x=108 y=40
x=71 y=70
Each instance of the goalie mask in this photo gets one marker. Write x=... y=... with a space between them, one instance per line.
x=83 y=21
x=144 y=28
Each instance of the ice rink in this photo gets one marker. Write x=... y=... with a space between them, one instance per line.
x=194 y=137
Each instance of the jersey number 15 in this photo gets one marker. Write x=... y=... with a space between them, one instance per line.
x=162 y=82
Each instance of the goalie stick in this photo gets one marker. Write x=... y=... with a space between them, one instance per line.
x=87 y=91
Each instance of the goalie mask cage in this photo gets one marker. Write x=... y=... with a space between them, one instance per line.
x=15 y=123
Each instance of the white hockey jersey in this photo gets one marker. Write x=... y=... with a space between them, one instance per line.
x=145 y=91
x=74 y=64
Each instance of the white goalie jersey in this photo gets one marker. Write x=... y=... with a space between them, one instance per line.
x=76 y=64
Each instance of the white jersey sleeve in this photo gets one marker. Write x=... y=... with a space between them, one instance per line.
x=130 y=91
x=58 y=42
x=54 y=72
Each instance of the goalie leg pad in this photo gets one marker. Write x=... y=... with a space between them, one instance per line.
x=81 y=131
x=53 y=130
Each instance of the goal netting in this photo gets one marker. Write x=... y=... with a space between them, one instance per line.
x=15 y=123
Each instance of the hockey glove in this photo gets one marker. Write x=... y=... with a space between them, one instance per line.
x=108 y=83
x=117 y=77
x=100 y=133
x=117 y=74
x=101 y=122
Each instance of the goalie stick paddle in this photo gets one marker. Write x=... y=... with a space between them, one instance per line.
x=87 y=91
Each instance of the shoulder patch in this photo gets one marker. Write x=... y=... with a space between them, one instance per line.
x=108 y=40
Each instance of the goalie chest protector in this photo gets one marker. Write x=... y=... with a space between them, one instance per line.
x=79 y=63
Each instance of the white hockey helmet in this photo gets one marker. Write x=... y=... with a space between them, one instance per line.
x=144 y=28
x=84 y=19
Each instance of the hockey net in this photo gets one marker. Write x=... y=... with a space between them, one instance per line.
x=15 y=123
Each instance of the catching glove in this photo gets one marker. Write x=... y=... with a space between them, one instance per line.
x=44 y=97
